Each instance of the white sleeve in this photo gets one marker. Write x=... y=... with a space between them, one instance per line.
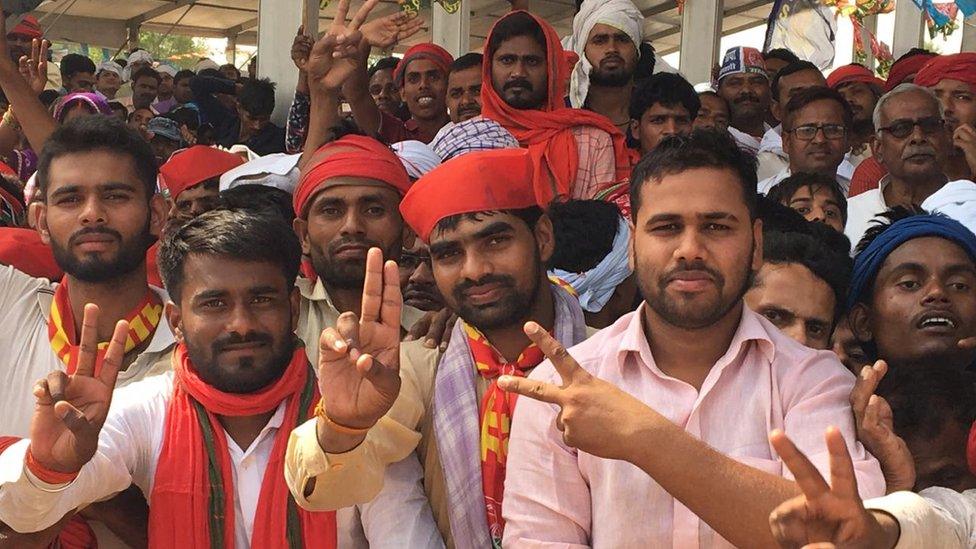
x=400 y=516
x=16 y=286
x=933 y=514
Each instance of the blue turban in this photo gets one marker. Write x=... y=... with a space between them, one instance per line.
x=868 y=262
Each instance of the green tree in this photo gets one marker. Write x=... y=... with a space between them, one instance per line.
x=180 y=51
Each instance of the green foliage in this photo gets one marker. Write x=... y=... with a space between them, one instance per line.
x=180 y=51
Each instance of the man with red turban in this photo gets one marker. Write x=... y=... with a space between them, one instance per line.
x=861 y=89
x=576 y=153
x=192 y=177
x=20 y=38
x=489 y=246
x=953 y=79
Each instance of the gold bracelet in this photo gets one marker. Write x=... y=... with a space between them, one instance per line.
x=352 y=431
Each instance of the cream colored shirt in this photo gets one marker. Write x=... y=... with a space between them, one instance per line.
x=934 y=517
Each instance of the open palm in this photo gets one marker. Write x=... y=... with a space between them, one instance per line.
x=335 y=56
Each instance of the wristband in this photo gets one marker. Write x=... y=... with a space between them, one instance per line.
x=352 y=431
x=46 y=475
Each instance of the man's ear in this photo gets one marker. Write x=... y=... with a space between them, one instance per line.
x=174 y=317
x=38 y=213
x=545 y=238
x=631 y=251
x=300 y=227
x=859 y=319
x=159 y=210
x=875 y=145
x=635 y=129
x=295 y=297
x=408 y=237
x=777 y=110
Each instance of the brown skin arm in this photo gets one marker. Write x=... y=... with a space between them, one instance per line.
x=33 y=117
x=126 y=515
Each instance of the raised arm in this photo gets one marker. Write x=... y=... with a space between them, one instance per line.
x=30 y=112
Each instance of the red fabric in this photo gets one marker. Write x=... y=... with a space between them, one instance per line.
x=25 y=251
x=195 y=165
x=307 y=270
x=29 y=27
x=866 y=176
x=905 y=68
x=152 y=266
x=547 y=132
x=6 y=169
x=971 y=449
x=179 y=504
x=853 y=73
x=350 y=156
x=432 y=52
x=480 y=181
x=960 y=66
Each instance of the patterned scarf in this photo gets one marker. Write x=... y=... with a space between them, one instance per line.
x=61 y=327
x=497 y=407
x=192 y=501
x=457 y=425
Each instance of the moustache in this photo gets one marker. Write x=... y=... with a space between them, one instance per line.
x=612 y=57
x=917 y=151
x=351 y=241
x=467 y=284
x=235 y=338
x=694 y=266
x=94 y=230
x=518 y=83
x=746 y=97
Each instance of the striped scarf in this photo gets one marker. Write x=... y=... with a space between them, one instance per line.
x=64 y=341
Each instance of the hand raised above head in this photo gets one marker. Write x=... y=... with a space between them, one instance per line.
x=336 y=55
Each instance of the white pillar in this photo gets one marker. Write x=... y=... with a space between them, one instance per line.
x=701 y=30
x=230 y=50
x=278 y=21
x=968 y=35
x=909 y=26
x=452 y=31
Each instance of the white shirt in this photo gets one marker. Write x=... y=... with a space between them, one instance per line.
x=861 y=209
x=745 y=141
x=128 y=452
x=957 y=200
x=25 y=349
x=844 y=173
x=932 y=514
x=771 y=158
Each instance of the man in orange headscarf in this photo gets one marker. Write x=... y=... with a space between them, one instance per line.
x=953 y=80
x=577 y=153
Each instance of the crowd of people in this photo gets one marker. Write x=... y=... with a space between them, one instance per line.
x=542 y=295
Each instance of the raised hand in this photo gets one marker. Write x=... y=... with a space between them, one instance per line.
x=875 y=429
x=596 y=417
x=359 y=359
x=301 y=48
x=34 y=68
x=964 y=139
x=826 y=514
x=388 y=31
x=335 y=56
x=71 y=409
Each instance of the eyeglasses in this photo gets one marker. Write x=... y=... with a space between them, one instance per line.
x=809 y=131
x=903 y=128
x=410 y=260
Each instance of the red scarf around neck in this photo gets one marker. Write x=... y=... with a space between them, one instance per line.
x=192 y=501
x=497 y=408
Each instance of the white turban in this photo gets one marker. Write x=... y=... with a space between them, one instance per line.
x=596 y=286
x=619 y=14
x=166 y=68
x=137 y=56
x=274 y=170
x=417 y=158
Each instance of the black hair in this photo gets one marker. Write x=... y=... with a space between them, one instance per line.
x=880 y=224
x=667 y=89
x=817 y=93
x=913 y=52
x=146 y=72
x=98 y=133
x=700 y=149
x=513 y=25
x=924 y=400
x=241 y=234
x=48 y=97
x=645 y=63
x=230 y=66
x=467 y=61
x=75 y=63
x=185 y=116
x=783 y=191
x=584 y=231
x=385 y=64
x=182 y=74
x=257 y=97
x=115 y=106
x=530 y=216
x=260 y=198
x=782 y=54
x=777 y=217
x=213 y=73
x=711 y=93
x=792 y=68
x=812 y=249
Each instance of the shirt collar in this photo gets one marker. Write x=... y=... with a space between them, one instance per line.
x=163 y=337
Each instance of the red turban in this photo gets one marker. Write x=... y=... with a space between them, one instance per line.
x=905 y=68
x=354 y=156
x=499 y=179
x=195 y=165
x=853 y=73
x=24 y=250
x=432 y=52
x=960 y=66
x=547 y=132
x=28 y=27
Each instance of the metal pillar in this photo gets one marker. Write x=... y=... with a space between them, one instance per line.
x=909 y=26
x=277 y=23
x=701 y=30
x=452 y=31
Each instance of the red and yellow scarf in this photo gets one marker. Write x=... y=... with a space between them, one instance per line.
x=497 y=407
x=192 y=501
x=64 y=341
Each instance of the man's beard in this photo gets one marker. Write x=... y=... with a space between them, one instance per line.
x=345 y=274
x=529 y=99
x=260 y=375
x=863 y=127
x=677 y=314
x=131 y=254
x=512 y=309
x=611 y=78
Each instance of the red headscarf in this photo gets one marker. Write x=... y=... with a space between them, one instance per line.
x=547 y=132
x=432 y=52
x=499 y=179
x=853 y=73
x=350 y=156
x=24 y=250
x=195 y=165
x=905 y=68
x=29 y=27
x=960 y=66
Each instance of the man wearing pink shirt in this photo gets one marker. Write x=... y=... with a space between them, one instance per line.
x=700 y=382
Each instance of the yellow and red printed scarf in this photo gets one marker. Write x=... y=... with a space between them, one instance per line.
x=192 y=500
x=497 y=408
x=64 y=341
